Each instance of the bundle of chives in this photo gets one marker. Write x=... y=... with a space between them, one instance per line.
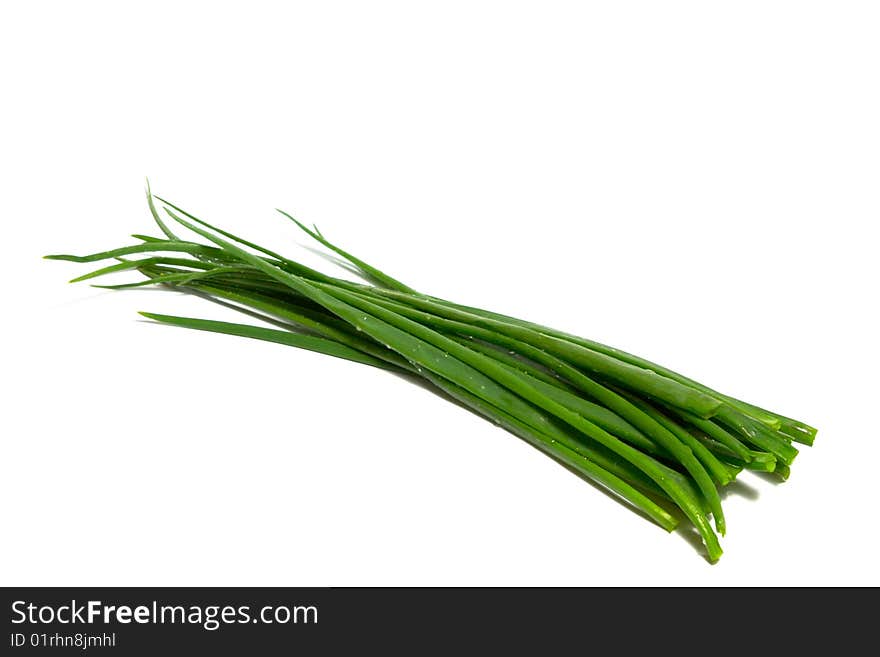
x=661 y=442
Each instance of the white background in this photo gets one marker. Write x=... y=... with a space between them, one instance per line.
x=695 y=182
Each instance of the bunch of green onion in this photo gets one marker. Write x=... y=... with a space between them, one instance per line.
x=661 y=442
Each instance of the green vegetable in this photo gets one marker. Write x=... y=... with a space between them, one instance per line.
x=661 y=442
